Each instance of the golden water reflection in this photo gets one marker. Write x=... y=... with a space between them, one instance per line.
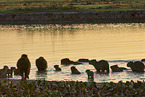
x=100 y=41
x=54 y=42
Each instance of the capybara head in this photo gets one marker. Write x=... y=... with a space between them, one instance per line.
x=93 y=62
x=5 y=67
x=73 y=68
x=88 y=70
x=56 y=66
x=24 y=56
x=129 y=64
x=41 y=57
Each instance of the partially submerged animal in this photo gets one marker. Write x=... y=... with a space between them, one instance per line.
x=74 y=70
x=100 y=66
x=10 y=71
x=115 y=68
x=3 y=72
x=57 y=68
x=90 y=74
x=136 y=66
x=41 y=64
x=24 y=66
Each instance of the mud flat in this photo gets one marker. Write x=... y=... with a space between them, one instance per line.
x=73 y=17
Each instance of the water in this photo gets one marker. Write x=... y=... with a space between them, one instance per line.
x=116 y=43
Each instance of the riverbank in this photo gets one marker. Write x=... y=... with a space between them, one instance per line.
x=71 y=88
x=73 y=17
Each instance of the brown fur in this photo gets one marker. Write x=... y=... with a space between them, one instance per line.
x=136 y=66
x=101 y=66
x=74 y=70
x=90 y=74
x=10 y=71
x=3 y=72
x=24 y=66
x=16 y=72
x=41 y=64
x=57 y=68
x=115 y=68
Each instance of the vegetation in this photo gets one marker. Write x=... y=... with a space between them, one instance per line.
x=23 y=6
x=72 y=88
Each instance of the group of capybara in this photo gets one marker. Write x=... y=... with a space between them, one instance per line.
x=23 y=67
x=102 y=66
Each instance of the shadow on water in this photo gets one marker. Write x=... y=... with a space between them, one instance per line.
x=41 y=75
x=103 y=73
x=135 y=73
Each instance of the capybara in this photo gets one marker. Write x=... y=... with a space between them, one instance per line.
x=90 y=74
x=136 y=66
x=24 y=65
x=10 y=71
x=3 y=71
x=74 y=70
x=57 y=68
x=41 y=64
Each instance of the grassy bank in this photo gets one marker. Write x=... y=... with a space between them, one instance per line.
x=25 y=6
x=71 y=89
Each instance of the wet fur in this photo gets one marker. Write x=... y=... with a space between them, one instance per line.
x=41 y=64
x=24 y=66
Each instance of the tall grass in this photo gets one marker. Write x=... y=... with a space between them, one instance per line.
x=21 y=6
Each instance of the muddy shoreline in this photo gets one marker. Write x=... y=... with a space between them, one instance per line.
x=73 y=17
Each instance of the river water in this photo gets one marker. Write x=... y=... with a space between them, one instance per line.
x=116 y=43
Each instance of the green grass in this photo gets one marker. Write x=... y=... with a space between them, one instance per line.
x=72 y=89
x=24 y=6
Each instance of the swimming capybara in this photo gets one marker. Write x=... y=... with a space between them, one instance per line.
x=41 y=64
x=136 y=66
x=90 y=74
x=74 y=70
x=115 y=68
x=57 y=68
x=66 y=61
